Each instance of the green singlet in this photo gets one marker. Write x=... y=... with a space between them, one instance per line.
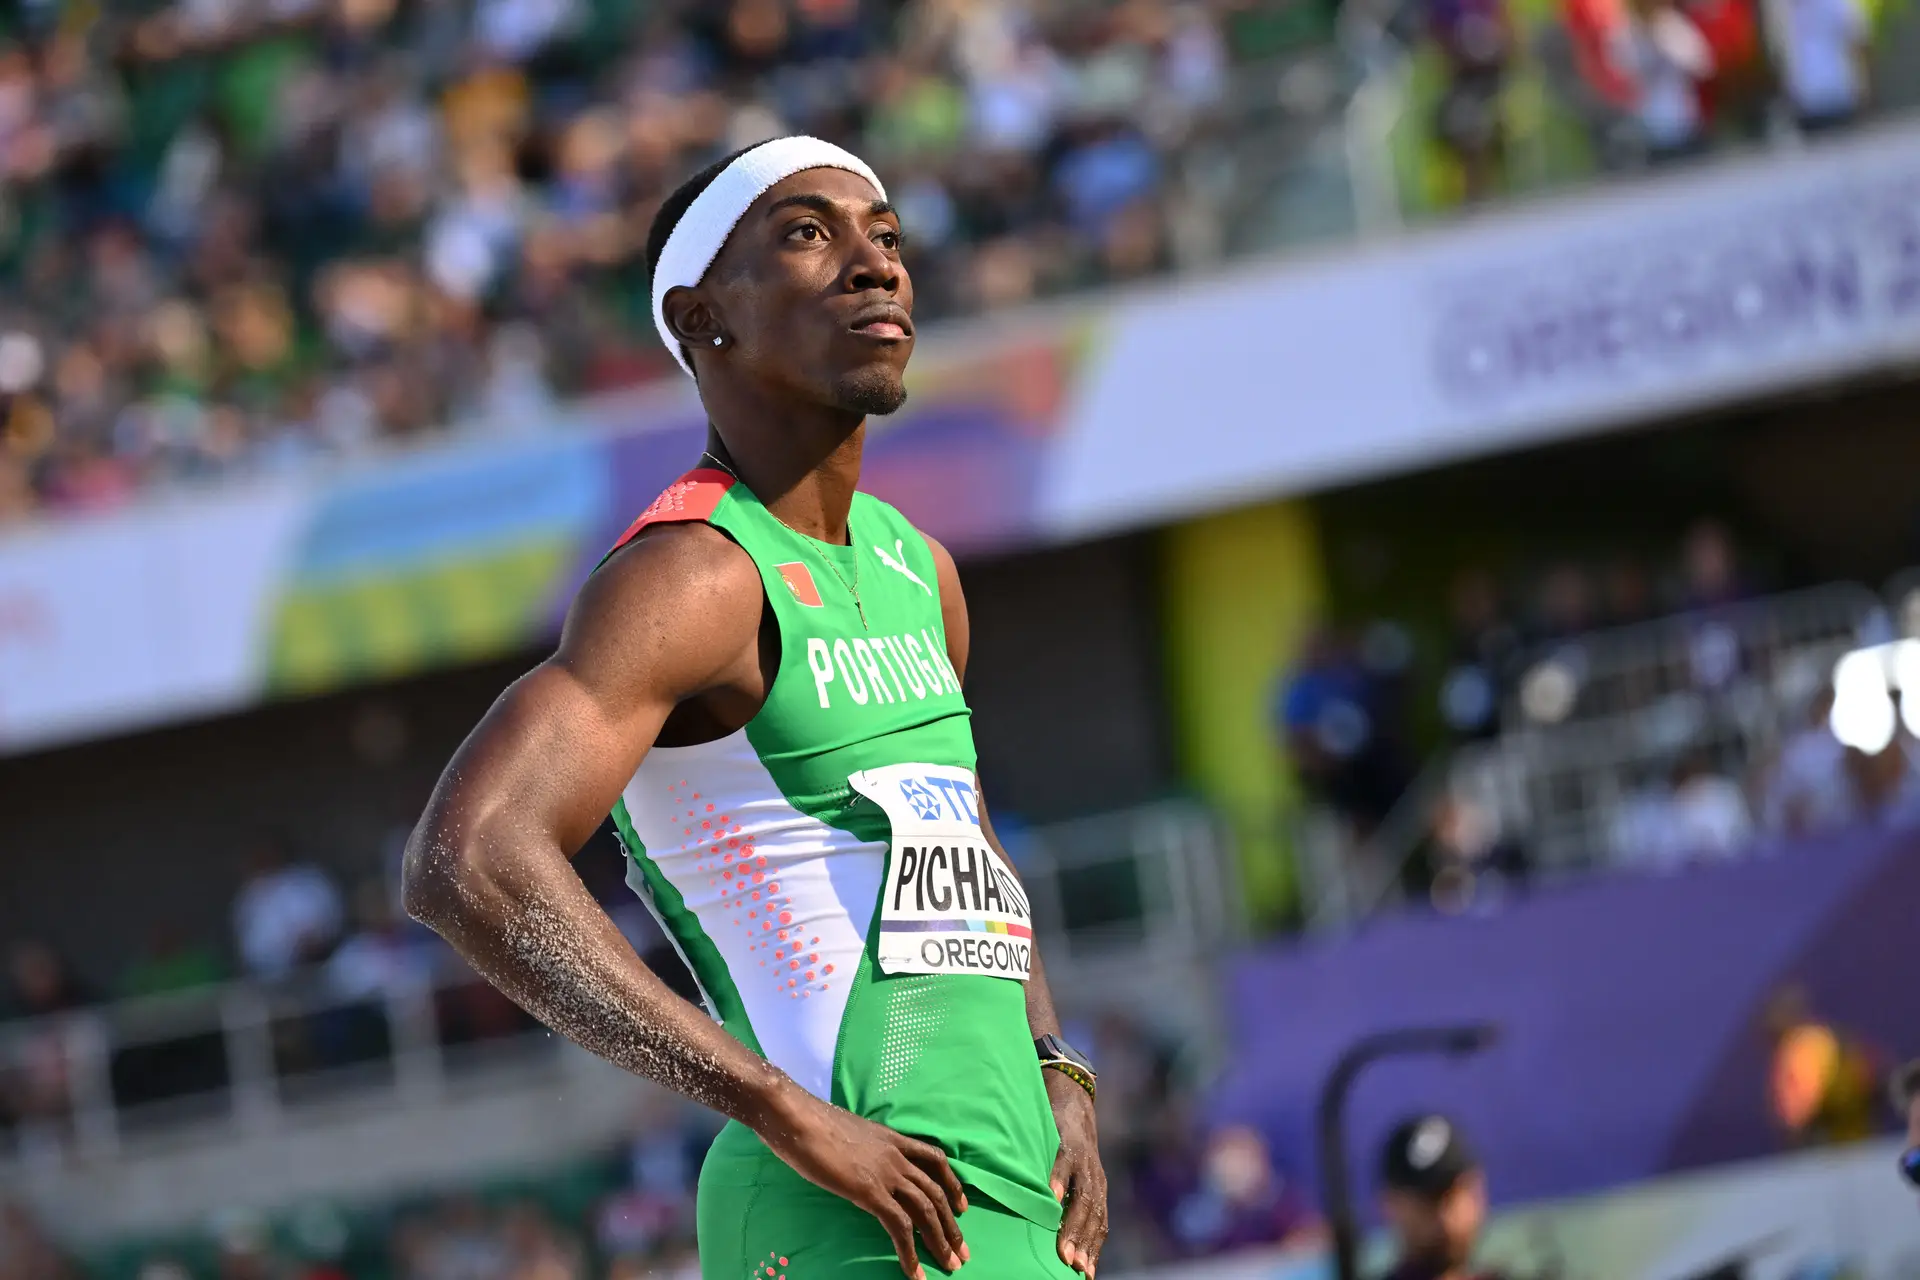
x=823 y=873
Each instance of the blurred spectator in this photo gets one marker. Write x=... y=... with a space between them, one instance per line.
x=1566 y=605
x=1550 y=688
x=1825 y=1083
x=1638 y=834
x=1886 y=783
x=39 y=982
x=1476 y=42
x=537 y=1249
x=1144 y=1204
x=1905 y=1093
x=172 y=961
x=1711 y=567
x=654 y=1210
x=27 y=1252
x=1433 y=1195
x=1628 y=595
x=458 y=1242
x=246 y=1250
x=1821 y=48
x=36 y=1082
x=1733 y=95
x=1135 y=1083
x=1712 y=587
x=287 y=915
x=1145 y=1137
x=1603 y=88
x=1106 y=181
x=1668 y=59
x=1810 y=787
x=1481 y=651
x=367 y=976
x=1328 y=714
x=1386 y=653
x=382 y=957
x=1242 y=1199
x=1470 y=861
x=674 y=1262
x=1707 y=811
x=310 y=1247
x=1695 y=814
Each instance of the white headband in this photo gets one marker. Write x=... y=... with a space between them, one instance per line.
x=703 y=229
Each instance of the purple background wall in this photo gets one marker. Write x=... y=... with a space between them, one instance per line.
x=1631 y=1012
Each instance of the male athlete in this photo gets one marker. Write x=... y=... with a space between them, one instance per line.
x=762 y=684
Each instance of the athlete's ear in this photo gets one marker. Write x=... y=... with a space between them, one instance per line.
x=691 y=319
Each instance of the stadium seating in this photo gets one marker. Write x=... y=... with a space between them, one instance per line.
x=243 y=236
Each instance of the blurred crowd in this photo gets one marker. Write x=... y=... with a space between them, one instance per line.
x=351 y=963
x=236 y=234
x=1179 y=1191
x=1643 y=82
x=1716 y=725
x=1346 y=711
x=344 y=968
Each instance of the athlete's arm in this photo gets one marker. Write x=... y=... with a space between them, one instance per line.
x=1078 y=1178
x=673 y=616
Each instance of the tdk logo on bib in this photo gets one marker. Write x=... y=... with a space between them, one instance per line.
x=949 y=904
x=926 y=805
x=924 y=797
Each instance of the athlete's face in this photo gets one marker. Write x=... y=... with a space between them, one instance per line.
x=811 y=296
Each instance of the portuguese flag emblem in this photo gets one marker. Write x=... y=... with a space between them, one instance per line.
x=799 y=580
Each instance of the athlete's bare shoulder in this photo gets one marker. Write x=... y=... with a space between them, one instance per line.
x=677 y=608
x=942 y=561
x=953 y=604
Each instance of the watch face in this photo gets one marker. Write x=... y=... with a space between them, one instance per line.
x=1052 y=1046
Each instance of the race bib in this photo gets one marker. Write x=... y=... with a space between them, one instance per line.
x=949 y=904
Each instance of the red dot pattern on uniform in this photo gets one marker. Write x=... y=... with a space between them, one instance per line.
x=728 y=845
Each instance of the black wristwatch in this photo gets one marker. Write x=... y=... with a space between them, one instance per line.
x=1057 y=1055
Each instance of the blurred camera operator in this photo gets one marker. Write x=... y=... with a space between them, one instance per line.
x=1434 y=1198
x=1906 y=1099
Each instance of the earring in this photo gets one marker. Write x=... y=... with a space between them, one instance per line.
x=718 y=339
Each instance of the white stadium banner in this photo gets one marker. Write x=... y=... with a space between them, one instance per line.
x=1652 y=298
x=141 y=617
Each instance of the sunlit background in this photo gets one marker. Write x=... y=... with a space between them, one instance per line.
x=1437 y=483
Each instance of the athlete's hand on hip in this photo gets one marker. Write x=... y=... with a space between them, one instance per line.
x=1079 y=1182
x=904 y=1182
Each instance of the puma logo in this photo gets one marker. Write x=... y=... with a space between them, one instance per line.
x=897 y=561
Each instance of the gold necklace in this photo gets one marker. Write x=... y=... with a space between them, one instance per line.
x=853 y=588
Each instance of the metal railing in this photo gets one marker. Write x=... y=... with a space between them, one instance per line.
x=1604 y=718
x=1603 y=675
x=249 y=1060
x=1153 y=880
x=1596 y=724
x=244 y=1059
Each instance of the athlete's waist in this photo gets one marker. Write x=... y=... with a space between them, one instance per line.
x=738 y=1157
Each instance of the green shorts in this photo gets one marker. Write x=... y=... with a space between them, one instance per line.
x=759 y=1220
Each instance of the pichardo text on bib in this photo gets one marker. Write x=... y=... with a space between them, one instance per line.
x=949 y=903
